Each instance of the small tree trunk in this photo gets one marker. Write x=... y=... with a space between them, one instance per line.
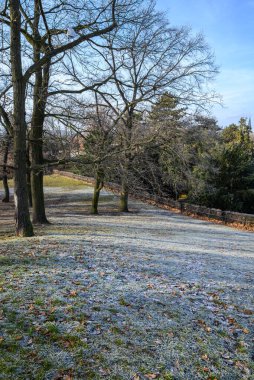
x=6 y=197
x=28 y=175
x=95 y=201
x=29 y=190
x=23 y=224
x=96 y=194
x=124 y=196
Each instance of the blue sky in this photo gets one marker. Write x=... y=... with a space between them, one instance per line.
x=228 y=26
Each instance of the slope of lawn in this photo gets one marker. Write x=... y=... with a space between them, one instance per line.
x=145 y=295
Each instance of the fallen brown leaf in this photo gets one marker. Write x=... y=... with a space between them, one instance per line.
x=151 y=375
x=247 y=312
x=18 y=337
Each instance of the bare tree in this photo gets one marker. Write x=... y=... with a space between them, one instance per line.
x=12 y=14
x=146 y=59
x=99 y=147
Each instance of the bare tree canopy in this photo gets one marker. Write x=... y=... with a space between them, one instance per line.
x=58 y=55
x=47 y=29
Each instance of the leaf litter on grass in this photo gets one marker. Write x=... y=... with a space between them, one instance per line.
x=146 y=295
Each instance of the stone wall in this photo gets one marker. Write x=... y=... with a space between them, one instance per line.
x=184 y=207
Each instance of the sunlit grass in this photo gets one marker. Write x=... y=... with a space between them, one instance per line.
x=10 y=183
x=55 y=180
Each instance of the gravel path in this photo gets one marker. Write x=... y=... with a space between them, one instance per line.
x=146 y=295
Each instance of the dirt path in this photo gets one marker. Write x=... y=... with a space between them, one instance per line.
x=149 y=294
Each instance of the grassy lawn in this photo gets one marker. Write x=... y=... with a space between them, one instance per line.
x=54 y=180
x=138 y=296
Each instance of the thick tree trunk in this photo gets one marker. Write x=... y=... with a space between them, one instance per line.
x=39 y=214
x=96 y=194
x=36 y=141
x=23 y=224
x=36 y=134
x=6 y=197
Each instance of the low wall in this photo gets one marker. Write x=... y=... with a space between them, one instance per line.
x=229 y=217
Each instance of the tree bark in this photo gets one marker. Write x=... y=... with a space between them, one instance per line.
x=23 y=223
x=6 y=197
x=124 y=196
x=36 y=140
x=97 y=188
x=28 y=174
x=36 y=135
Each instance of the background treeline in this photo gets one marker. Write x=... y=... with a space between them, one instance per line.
x=172 y=155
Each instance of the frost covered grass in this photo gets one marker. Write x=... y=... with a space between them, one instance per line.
x=144 y=295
